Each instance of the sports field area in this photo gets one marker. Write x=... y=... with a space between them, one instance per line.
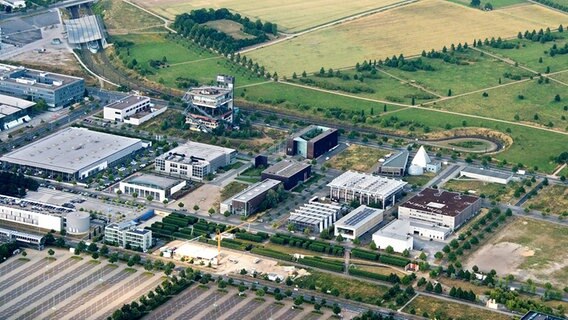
x=427 y=24
x=290 y=16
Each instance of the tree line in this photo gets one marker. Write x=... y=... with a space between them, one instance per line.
x=15 y=185
x=191 y=25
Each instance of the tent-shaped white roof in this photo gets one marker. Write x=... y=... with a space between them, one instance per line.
x=421 y=159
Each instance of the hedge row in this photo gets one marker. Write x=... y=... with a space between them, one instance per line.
x=383 y=258
x=313 y=245
x=271 y=253
x=364 y=254
x=322 y=264
x=395 y=261
x=371 y=275
x=249 y=236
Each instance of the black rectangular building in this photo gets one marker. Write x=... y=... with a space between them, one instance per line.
x=290 y=173
x=312 y=141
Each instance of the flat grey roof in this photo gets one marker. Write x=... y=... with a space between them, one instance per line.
x=9 y=232
x=358 y=217
x=308 y=129
x=35 y=78
x=69 y=150
x=14 y=103
x=487 y=172
x=256 y=189
x=33 y=206
x=399 y=160
x=286 y=168
x=197 y=150
x=126 y=102
x=153 y=181
x=397 y=229
x=83 y=30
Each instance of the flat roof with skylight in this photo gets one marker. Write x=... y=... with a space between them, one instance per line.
x=440 y=202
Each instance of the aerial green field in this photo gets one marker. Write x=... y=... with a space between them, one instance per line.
x=528 y=102
x=563 y=76
x=121 y=18
x=427 y=24
x=480 y=72
x=184 y=59
x=291 y=16
x=530 y=52
x=376 y=86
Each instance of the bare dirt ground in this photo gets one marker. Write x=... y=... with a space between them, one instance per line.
x=504 y=257
x=207 y=196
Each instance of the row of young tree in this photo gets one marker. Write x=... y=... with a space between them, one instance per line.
x=191 y=25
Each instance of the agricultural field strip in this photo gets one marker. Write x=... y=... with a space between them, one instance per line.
x=166 y=21
x=103 y=302
x=440 y=111
x=43 y=291
x=89 y=295
x=65 y=294
x=11 y=266
x=190 y=295
x=188 y=312
x=29 y=285
x=545 y=6
x=327 y=25
x=512 y=62
x=125 y=296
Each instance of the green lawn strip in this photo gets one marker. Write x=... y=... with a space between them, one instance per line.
x=528 y=101
x=480 y=72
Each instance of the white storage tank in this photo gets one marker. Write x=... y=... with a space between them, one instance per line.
x=415 y=170
x=78 y=222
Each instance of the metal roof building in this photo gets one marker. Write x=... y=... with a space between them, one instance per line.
x=314 y=215
x=365 y=188
x=487 y=175
x=146 y=185
x=84 y=29
x=289 y=172
x=249 y=200
x=73 y=153
x=358 y=221
x=394 y=165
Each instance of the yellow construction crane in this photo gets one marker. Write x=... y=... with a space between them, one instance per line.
x=219 y=237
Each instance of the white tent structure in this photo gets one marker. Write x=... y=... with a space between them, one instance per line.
x=421 y=159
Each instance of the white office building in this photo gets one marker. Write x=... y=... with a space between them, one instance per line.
x=32 y=213
x=159 y=188
x=194 y=160
x=315 y=215
x=133 y=110
x=395 y=234
x=126 y=233
x=358 y=221
x=365 y=188
x=486 y=175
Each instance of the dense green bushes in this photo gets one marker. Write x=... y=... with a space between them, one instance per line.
x=271 y=253
x=321 y=263
x=383 y=258
x=313 y=245
x=371 y=275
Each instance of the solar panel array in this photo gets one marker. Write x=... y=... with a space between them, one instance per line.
x=360 y=216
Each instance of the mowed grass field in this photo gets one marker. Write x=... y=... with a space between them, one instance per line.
x=184 y=59
x=290 y=15
x=121 y=18
x=480 y=72
x=524 y=100
x=408 y=29
x=529 y=53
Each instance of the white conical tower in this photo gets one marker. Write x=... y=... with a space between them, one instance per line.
x=421 y=159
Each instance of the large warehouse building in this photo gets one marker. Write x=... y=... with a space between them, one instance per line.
x=312 y=142
x=486 y=175
x=249 y=200
x=315 y=215
x=43 y=215
x=72 y=153
x=365 y=188
x=358 y=221
x=159 y=188
x=440 y=208
x=290 y=173
x=56 y=90
x=194 y=160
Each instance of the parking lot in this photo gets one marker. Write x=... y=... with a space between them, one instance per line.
x=68 y=287
x=210 y=303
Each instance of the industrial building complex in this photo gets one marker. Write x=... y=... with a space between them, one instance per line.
x=440 y=208
x=133 y=110
x=249 y=200
x=43 y=215
x=396 y=234
x=13 y=111
x=290 y=173
x=194 y=160
x=72 y=153
x=316 y=215
x=365 y=188
x=208 y=106
x=358 y=221
x=56 y=90
x=127 y=234
x=158 y=188
x=312 y=141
